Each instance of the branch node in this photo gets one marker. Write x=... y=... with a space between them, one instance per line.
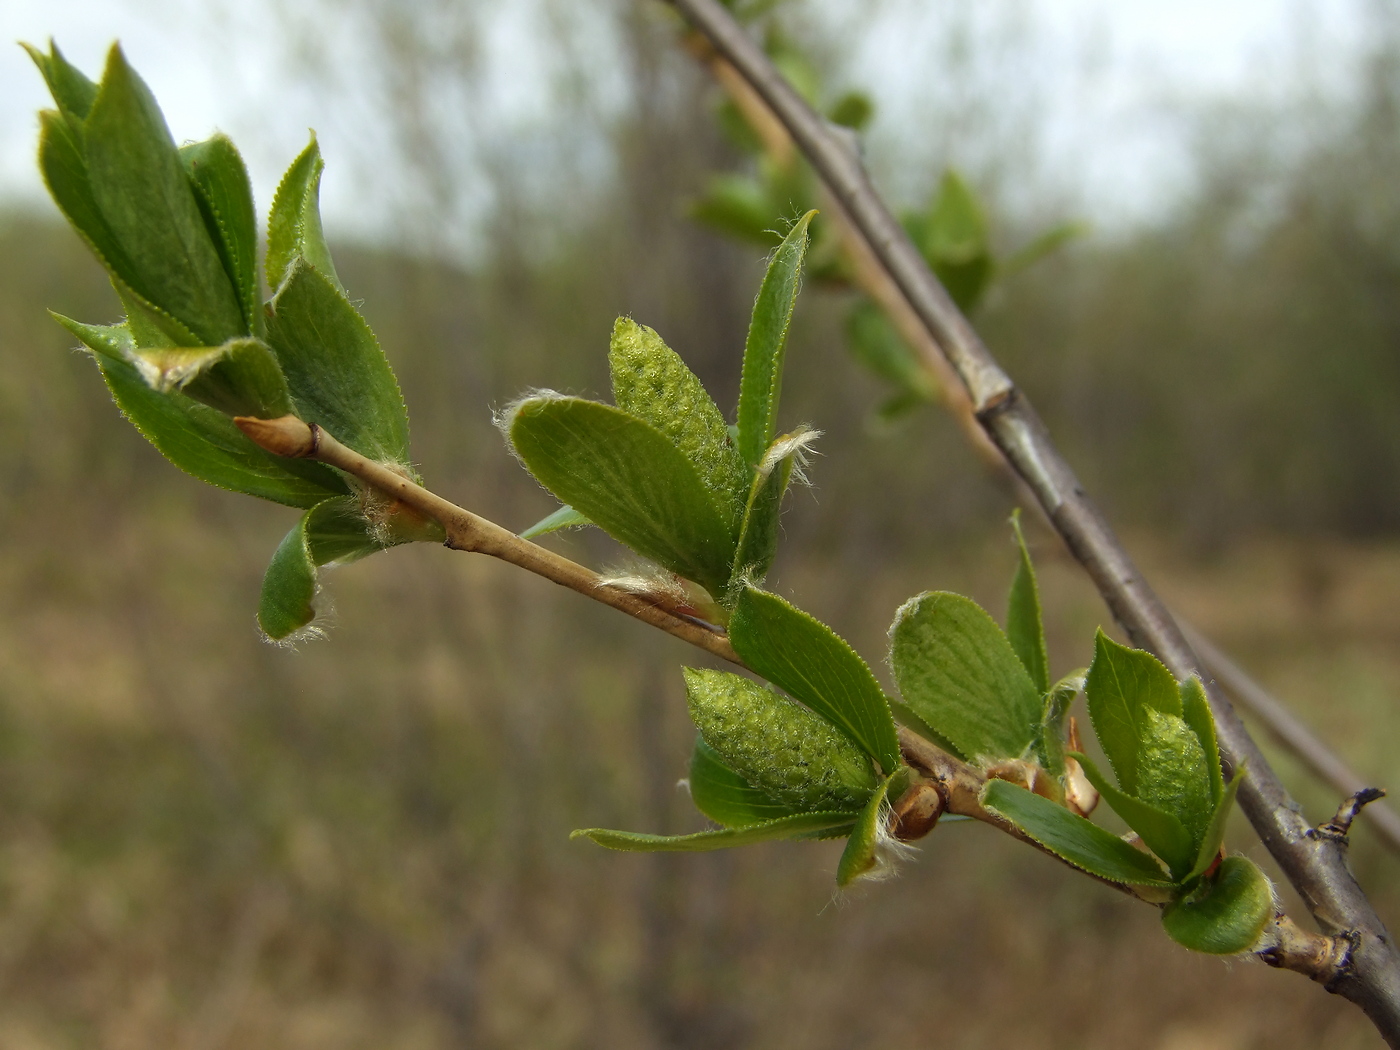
x=1337 y=829
x=1319 y=957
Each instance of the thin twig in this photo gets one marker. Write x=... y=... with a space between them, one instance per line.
x=1370 y=974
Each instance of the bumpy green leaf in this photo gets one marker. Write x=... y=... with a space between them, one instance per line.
x=225 y=198
x=651 y=382
x=1070 y=836
x=809 y=660
x=1024 y=629
x=758 y=534
x=1228 y=915
x=1195 y=710
x=630 y=480
x=780 y=748
x=240 y=378
x=1162 y=832
x=143 y=193
x=70 y=88
x=1214 y=836
x=563 y=518
x=958 y=672
x=198 y=439
x=726 y=797
x=338 y=375
x=763 y=351
x=294 y=224
x=332 y=531
x=1122 y=683
x=1173 y=773
x=801 y=825
x=861 y=853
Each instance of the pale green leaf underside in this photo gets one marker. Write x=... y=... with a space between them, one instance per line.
x=1229 y=917
x=801 y=825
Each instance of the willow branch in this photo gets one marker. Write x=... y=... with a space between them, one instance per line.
x=1369 y=975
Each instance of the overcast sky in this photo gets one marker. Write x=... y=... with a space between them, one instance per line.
x=1108 y=74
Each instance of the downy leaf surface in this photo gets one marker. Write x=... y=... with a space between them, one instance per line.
x=1173 y=773
x=331 y=531
x=294 y=223
x=860 y=855
x=726 y=797
x=758 y=533
x=1228 y=915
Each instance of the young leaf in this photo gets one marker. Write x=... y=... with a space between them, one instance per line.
x=1195 y=709
x=740 y=206
x=861 y=856
x=294 y=224
x=143 y=193
x=1050 y=743
x=651 y=382
x=198 y=439
x=777 y=746
x=801 y=825
x=875 y=344
x=240 y=378
x=563 y=518
x=1122 y=682
x=955 y=242
x=339 y=377
x=70 y=88
x=225 y=198
x=1173 y=773
x=763 y=350
x=758 y=534
x=957 y=671
x=1214 y=836
x=332 y=531
x=1070 y=836
x=1227 y=917
x=1160 y=831
x=1024 y=629
x=629 y=479
x=811 y=662
x=726 y=797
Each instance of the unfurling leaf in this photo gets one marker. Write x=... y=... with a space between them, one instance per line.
x=801 y=825
x=1161 y=830
x=957 y=672
x=1214 y=837
x=726 y=797
x=225 y=199
x=758 y=534
x=563 y=518
x=628 y=479
x=783 y=750
x=811 y=662
x=240 y=378
x=1227 y=915
x=861 y=857
x=294 y=223
x=1173 y=773
x=1024 y=627
x=1195 y=710
x=1121 y=684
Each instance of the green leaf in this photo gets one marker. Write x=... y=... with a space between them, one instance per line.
x=651 y=382
x=811 y=662
x=1052 y=240
x=563 y=518
x=197 y=439
x=1160 y=831
x=779 y=747
x=1024 y=629
x=763 y=351
x=800 y=825
x=294 y=224
x=958 y=672
x=956 y=242
x=726 y=797
x=1051 y=738
x=1122 y=683
x=1228 y=916
x=1070 y=836
x=1214 y=836
x=1195 y=710
x=629 y=479
x=70 y=88
x=225 y=198
x=339 y=377
x=875 y=344
x=151 y=326
x=739 y=206
x=852 y=110
x=141 y=189
x=332 y=531
x=758 y=534
x=861 y=855
x=240 y=378
x=1173 y=773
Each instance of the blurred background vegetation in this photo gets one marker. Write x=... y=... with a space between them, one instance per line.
x=208 y=842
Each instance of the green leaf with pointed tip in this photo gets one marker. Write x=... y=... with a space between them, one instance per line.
x=294 y=224
x=860 y=856
x=1070 y=836
x=758 y=534
x=339 y=377
x=240 y=378
x=651 y=382
x=225 y=199
x=726 y=797
x=1050 y=742
x=70 y=88
x=810 y=661
x=1195 y=710
x=801 y=825
x=1214 y=836
x=1024 y=629
x=1173 y=772
x=1122 y=683
x=1052 y=240
x=332 y=531
x=630 y=480
x=197 y=439
x=957 y=671
x=150 y=325
x=739 y=206
x=143 y=193
x=563 y=518
x=1160 y=831
x=1228 y=915
x=762 y=378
